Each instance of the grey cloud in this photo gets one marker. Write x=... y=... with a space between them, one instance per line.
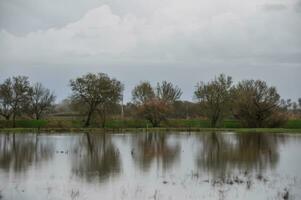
x=298 y=6
x=20 y=17
x=181 y=41
x=274 y=7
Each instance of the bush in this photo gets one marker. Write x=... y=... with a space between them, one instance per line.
x=295 y=124
x=277 y=120
x=63 y=123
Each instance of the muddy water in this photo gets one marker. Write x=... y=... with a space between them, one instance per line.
x=150 y=166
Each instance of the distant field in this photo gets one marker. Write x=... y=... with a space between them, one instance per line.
x=131 y=123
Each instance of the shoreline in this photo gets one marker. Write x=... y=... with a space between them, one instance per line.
x=135 y=130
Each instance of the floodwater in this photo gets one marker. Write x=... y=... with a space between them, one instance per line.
x=154 y=166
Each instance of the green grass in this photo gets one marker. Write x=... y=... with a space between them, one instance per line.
x=24 y=123
x=31 y=123
x=196 y=123
x=180 y=124
x=139 y=130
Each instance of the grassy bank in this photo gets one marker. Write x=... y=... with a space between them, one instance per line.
x=132 y=125
x=138 y=130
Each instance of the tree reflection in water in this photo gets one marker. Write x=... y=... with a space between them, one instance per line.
x=18 y=152
x=96 y=157
x=150 y=147
x=221 y=154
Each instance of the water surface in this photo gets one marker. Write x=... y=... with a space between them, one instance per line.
x=150 y=166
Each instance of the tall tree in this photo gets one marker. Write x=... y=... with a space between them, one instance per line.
x=154 y=104
x=255 y=104
x=40 y=101
x=214 y=98
x=14 y=95
x=95 y=91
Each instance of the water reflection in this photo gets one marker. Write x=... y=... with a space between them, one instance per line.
x=174 y=166
x=154 y=147
x=19 y=152
x=220 y=154
x=96 y=157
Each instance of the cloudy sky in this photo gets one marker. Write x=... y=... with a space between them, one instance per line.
x=183 y=41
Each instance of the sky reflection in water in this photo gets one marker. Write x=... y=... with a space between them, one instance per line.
x=149 y=166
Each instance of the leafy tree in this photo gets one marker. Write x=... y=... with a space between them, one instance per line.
x=154 y=104
x=14 y=94
x=95 y=92
x=214 y=98
x=40 y=101
x=155 y=111
x=256 y=104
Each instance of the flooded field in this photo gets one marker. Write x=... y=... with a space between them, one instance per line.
x=150 y=166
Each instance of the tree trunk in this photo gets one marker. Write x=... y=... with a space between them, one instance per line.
x=103 y=122
x=37 y=116
x=87 y=123
x=213 y=122
x=103 y=117
x=154 y=123
x=14 y=121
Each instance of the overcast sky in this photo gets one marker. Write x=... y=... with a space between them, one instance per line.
x=183 y=41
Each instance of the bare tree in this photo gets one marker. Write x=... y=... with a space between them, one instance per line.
x=167 y=92
x=214 y=98
x=95 y=92
x=14 y=94
x=143 y=93
x=40 y=101
x=6 y=96
x=155 y=106
x=256 y=104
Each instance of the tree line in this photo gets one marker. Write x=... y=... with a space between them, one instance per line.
x=252 y=102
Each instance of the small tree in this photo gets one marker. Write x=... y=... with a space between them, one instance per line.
x=143 y=93
x=214 y=98
x=167 y=92
x=154 y=104
x=155 y=111
x=6 y=98
x=14 y=94
x=94 y=92
x=256 y=104
x=40 y=101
